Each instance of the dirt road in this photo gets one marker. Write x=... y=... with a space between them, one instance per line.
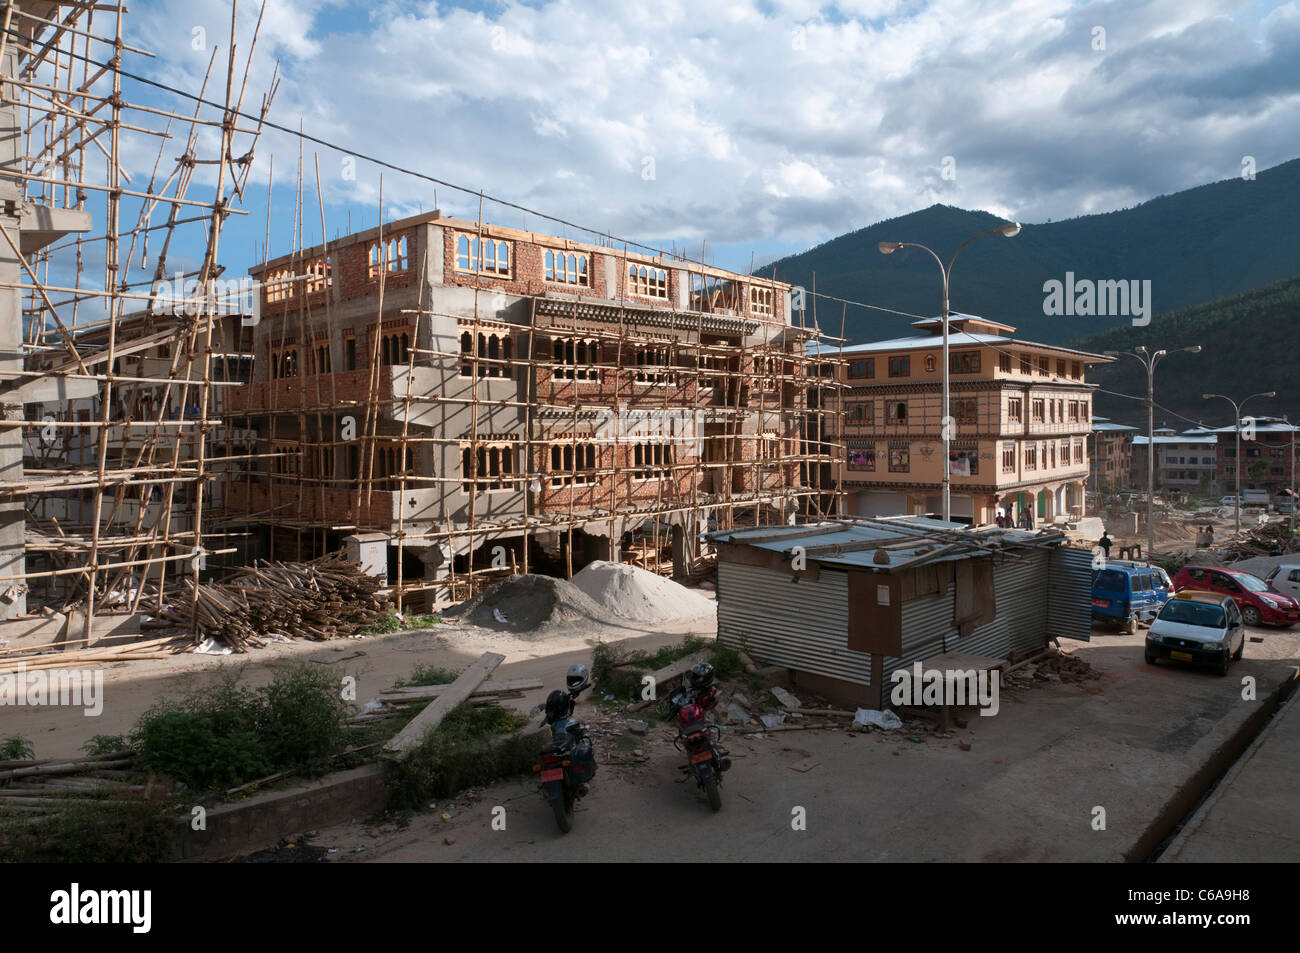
x=1063 y=772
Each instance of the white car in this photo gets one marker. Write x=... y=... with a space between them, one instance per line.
x=1285 y=579
x=1200 y=628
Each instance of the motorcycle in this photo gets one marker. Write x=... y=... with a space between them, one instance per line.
x=568 y=763
x=696 y=738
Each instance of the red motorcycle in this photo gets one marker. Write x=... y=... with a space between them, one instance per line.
x=695 y=736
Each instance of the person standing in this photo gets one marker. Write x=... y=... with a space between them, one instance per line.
x=1105 y=544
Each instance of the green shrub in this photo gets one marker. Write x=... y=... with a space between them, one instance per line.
x=191 y=747
x=429 y=675
x=17 y=748
x=227 y=734
x=302 y=718
x=106 y=744
x=472 y=746
x=617 y=671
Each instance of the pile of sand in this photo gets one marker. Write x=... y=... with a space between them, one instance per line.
x=530 y=604
x=640 y=595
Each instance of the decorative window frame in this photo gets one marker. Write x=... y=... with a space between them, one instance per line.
x=392 y=255
x=563 y=267
x=646 y=281
x=482 y=255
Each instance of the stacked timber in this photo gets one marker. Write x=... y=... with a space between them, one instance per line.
x=326 y=598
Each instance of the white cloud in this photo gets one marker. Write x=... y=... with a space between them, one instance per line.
x=797 y=179
x=775 y=122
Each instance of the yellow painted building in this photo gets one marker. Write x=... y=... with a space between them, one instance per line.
x=1022 y=414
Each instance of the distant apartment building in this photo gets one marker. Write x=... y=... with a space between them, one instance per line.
x=1185 y=462
x=1021 y=412
x=1267 y=455
x=490 y=399
x=1110 y=459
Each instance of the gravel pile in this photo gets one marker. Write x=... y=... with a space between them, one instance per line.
x=531 y=604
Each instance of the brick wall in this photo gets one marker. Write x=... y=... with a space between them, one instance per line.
x=313 y=391
x=294 y=501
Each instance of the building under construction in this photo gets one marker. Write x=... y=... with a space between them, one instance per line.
x=451 y=399
x=464 y=400
x=109 y=385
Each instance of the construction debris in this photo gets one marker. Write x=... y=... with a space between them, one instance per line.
x=326 y=598
x=411 y=736
x=1051 y=666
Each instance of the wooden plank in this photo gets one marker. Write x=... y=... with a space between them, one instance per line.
x=417 y=693
x=409 y=738
x=668 y=674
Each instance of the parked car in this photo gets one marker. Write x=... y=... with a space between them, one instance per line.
x=1257 y=602
x=1285 y=579
x=1199 y=628
x=1125 y=594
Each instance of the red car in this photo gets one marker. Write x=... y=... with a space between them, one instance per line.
x=1257 y=602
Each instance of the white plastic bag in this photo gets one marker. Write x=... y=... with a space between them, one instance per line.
x=870 y=718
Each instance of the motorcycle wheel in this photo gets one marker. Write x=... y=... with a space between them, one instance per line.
x=563 y=808
x=714 y=795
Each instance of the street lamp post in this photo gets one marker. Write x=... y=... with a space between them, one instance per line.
x=1236 y=410
x=1149 y=361
x=1009 y=230
x=1290 y=528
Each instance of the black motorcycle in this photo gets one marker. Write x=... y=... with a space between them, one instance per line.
x=568 y=762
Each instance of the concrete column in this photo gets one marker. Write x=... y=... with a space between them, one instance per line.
x=681 y=555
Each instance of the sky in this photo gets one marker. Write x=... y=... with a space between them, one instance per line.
x=759 y=128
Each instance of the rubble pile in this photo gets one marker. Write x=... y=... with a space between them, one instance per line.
x=1054 y=667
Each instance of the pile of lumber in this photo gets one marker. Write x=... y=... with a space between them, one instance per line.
x=326 y=598
x=31 y=790
x=1271 y=539
x=50 y=656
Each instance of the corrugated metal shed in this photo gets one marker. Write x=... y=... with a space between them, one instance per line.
x=800 y=619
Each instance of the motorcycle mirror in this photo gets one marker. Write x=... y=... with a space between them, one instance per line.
x=537 y=710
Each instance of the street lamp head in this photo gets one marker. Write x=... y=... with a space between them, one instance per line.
x=1010 y=230
x=1271 y=393
x=1208 y=396
x=1194 y=349
x=1141 y=348
x=1110 y=353
x=887 y=248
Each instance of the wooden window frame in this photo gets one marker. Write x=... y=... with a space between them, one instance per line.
x=563 y=267
x=471 y=258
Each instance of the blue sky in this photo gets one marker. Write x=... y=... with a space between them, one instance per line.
x=759 y=128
